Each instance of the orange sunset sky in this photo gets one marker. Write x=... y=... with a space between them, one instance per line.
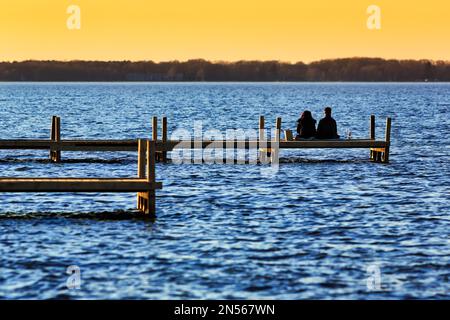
x=288 y=30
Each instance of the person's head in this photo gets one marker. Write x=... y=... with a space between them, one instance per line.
x=306 y=115
x=327 y=111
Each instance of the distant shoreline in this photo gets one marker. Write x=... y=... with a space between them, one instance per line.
x=336 y=70
x=220 y=82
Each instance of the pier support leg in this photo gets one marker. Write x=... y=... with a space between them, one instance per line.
x=146 y=201
x=52 y=136
x=380 y=154
x=275 y=152
x=55 y=137
x=158 y=155
x=387 y=138
x=262 y=150
x=141 y=172
x=151 y=177
x=278 y=129
x=372 y=135
x=164 y=139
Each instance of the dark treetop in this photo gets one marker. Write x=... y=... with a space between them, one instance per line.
x=350 y=69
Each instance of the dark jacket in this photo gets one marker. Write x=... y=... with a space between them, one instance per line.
x=306 y=128
x=327 y=129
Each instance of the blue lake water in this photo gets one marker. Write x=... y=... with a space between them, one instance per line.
x=328 y=225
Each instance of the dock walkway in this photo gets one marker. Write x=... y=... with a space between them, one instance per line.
x=379 y=149
x=150 y=151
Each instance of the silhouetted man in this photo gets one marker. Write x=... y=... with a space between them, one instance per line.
x=327 y=128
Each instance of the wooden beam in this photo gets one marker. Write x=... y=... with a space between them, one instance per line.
x=52 y=136
x=262 y=154
x=372 y=127
x=142 y=150
x=155 y=128
x=261 y=128
x=164 y=138
x=388 y=130
x=141 y=171
x=70 y=145
x=132 y=145
x=151 y=148
x=372 y=133
x=57 y=154
x=151 y=177
x=76 y=185
x=52 y=130
x=388 y=140
x=278 y=129
x=55 y=137
x=248 y=144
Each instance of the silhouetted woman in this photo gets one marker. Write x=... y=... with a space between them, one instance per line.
x=306 y=126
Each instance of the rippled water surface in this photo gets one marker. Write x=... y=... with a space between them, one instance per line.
x=324 y=226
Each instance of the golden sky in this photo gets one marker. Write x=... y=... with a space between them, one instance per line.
x=288 y=30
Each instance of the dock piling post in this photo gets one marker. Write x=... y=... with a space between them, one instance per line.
x=155 y=134
x=277 y=140
x=372 y=127
x=372 y=135
x=164 y=139
x=141 y=171
x=55 y=137
x=151 y=177
x=155 y=128
x=146 y=201
x=52 y=136
x=262 y=144
x=387 y=139
x=52 y=132
x=58 y=139
x=278 y=129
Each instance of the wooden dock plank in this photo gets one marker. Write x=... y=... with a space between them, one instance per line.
x=363 y=143
x=254 y=144
x=132 y=145
x=68 y=145
x=25 y=144
x=76 y=185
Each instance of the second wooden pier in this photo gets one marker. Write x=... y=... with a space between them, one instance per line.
x=144 y=184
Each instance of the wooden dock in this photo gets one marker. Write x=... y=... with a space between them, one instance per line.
x=144 y=184
x=150 y=151
x=379 y=149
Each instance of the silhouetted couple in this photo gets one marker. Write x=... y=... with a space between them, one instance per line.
x=306 y=126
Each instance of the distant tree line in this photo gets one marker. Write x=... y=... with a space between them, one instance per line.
x=350 y=69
